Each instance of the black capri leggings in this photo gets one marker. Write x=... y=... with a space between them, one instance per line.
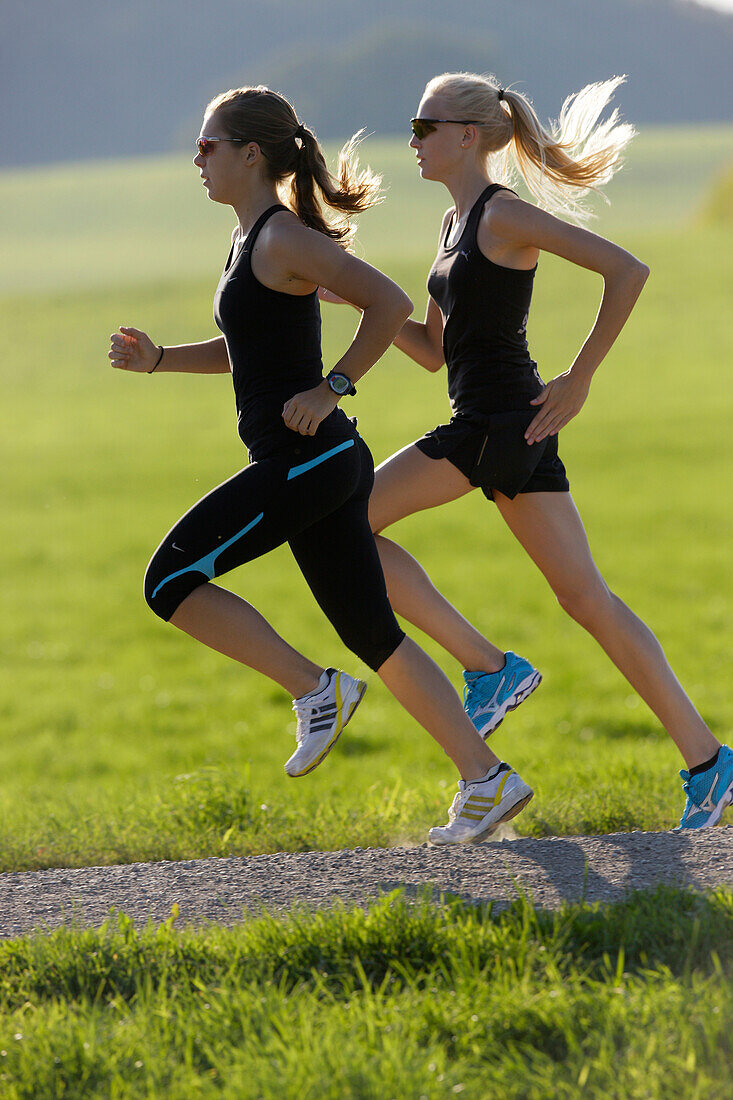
x=315 y=497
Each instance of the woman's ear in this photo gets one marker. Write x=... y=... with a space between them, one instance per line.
x=469 y=136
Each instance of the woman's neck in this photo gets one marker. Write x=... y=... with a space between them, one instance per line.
x=249 y=207
x=465 y=188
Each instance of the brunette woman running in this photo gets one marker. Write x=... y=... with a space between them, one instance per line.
x=310 y=473
x=502 y=437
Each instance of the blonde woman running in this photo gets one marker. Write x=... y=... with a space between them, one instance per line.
x=502 y=437
x=310 y=473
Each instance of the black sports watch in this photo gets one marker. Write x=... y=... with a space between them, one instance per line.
x=340 y=383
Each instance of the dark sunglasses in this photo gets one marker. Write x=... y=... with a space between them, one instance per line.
x=207 y=145
x=421 y=127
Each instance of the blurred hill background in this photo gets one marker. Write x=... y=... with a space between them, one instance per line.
x=85 y=79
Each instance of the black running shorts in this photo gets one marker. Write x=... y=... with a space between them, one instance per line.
x=493 y=454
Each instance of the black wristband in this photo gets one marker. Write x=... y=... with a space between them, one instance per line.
x=157 y=361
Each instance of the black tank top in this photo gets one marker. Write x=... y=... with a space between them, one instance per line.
x=485 y=309
x=273 y=341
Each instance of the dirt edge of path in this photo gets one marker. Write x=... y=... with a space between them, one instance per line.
x=550 y=871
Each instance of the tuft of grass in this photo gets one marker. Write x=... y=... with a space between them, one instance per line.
x=211 y=812
x=400 y=999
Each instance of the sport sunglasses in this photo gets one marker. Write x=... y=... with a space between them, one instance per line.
x=207 y=145
x=421 y=127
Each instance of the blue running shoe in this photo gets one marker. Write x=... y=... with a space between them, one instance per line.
x=708 y=793
x=488 y=696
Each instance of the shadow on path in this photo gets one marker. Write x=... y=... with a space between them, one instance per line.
x=550 y=871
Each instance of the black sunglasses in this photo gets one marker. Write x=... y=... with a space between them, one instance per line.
x=421 y=127
x=207 y=145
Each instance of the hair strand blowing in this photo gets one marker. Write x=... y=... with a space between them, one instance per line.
x=559 y=165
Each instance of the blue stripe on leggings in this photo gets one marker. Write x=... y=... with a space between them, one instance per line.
x=205 y=565
x=296 y=471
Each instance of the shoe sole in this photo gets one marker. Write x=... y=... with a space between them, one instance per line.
x=361 y=688
x=524 y=690
x=478 y=838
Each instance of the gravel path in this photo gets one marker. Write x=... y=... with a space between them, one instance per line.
x=601 y=868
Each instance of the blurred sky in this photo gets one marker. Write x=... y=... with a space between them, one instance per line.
x=721 y=5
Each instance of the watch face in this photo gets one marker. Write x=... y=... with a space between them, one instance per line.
x=339 y=383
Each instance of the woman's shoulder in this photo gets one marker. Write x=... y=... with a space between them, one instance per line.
x=505 y=211
x=283 y=228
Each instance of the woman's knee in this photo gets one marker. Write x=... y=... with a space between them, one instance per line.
x=585 y=599
x=165 y=590
x=372 y=646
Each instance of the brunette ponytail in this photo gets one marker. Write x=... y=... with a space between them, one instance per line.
x=292 y=152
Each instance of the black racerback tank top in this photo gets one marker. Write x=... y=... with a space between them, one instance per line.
x=485 y=308
x=273 y=341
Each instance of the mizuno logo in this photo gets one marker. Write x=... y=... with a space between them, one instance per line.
x=707 y=802
x=491 y=705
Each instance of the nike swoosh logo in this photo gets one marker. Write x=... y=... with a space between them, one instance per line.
x=178 y=548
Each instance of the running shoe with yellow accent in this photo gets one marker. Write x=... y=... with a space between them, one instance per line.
x=322 y=714
x=480 y=807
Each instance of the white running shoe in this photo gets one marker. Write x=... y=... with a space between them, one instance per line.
x=322 y=714
x=480 y=807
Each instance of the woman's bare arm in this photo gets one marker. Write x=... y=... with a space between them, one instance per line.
x=424 y=342
x=133 y=350
x=524 y=225
x=303 y=259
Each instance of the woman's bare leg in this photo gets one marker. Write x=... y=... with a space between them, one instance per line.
x=426 y=693
x=550 y=529
x=410 y=482
x=223 y=621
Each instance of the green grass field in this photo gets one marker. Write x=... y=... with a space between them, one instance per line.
x=122 y=740
x=114 y=725
x=401 y=1002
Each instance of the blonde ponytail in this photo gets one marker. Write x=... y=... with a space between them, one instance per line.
x=559 y=165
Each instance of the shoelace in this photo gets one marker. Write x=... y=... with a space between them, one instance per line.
x=482 y=693
x=456 y=805
x=304 y=712
x=691 y=807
